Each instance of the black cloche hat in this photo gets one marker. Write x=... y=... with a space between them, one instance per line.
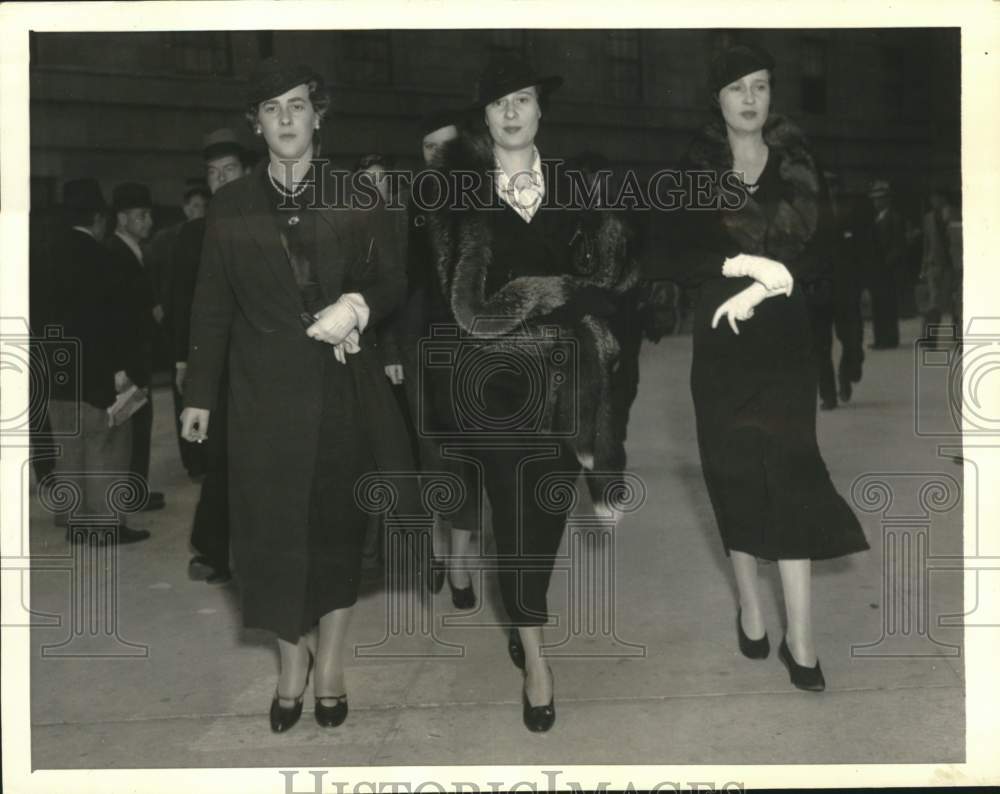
x=272 y=78
x=736 y=61
x=504 y=74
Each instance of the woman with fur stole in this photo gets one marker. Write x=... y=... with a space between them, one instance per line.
x=751 y=250
x=507 y=247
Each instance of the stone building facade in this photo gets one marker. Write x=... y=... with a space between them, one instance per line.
x=134 y=106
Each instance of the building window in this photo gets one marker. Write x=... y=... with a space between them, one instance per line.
x=367 y=57
x=814 y=71
x=893 y=75
x=201 y=52
x=624 y=65
x=508 y=42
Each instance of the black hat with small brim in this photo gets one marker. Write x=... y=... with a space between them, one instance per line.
x=439 y=118
x=505 y=74
x=737 y=61
x=83 y=194
x=130 y=196
x=272 y=78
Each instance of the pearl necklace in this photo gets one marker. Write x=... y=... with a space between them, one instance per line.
x=281 y=188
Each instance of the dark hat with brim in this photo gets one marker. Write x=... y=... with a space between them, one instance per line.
x=737 y=61
x=83 y=194
x=272 y=78
x=131 y=196
x=878 y=189
x=220 y=143
x=505 y=74
x=439 y=118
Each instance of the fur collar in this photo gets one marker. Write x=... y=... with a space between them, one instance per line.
x=784 y=230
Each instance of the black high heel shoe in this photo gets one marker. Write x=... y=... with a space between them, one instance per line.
x=808 y=678
x=284 y=718
x=752 y=649
x=331 y=716
x=515 y=648
x=539 y=719
x=462 y=598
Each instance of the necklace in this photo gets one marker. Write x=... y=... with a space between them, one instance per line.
x=283 y=190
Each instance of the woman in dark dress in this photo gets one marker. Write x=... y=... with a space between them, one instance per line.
x=754 y=385
x=286 y=289
x=508 y=254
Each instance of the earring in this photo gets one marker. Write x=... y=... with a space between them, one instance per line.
x=258 y=130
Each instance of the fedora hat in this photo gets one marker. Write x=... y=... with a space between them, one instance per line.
x=130 y=196
x=878 y=189
x=504 y=74
x=221 y=142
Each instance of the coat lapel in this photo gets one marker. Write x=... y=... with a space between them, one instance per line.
x=261 y=229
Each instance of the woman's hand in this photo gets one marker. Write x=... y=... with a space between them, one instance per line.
x=350 y=345
x=194 y=424
x=394 y=372
x=772 y=274
x=334 y=323
x=740 y=306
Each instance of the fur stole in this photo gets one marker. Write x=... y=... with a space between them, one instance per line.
x=462 y=237
x=793 y=223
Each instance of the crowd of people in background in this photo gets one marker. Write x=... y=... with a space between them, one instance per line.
x=127 y=294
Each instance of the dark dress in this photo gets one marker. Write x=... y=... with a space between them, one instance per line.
x=302 y=427
x=755 y=393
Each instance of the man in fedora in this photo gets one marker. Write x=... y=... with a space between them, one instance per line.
x=887 y=267
x=132 y=207
x=225 y=161
x=87 y=303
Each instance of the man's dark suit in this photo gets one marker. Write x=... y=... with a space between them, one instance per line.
x=86 y=301
x=139 y=329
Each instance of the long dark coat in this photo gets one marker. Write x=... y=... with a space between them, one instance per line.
x=755 y=393
x=247 y=304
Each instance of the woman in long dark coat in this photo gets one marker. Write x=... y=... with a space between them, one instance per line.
x=286 y=289
x=509 y=257
x=754 y=385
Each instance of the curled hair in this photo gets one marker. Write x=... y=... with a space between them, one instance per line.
x=319 y=97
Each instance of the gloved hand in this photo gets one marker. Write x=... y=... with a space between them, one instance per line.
x=740 y=306
x=593 y=300
x=350 y=345
x=772 y=274
x=334 y=323
x=394 y=372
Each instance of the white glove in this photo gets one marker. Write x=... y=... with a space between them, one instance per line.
x=773 y=275
x=394 y=372
x=740 y=306
x=334 y=323
x=350 y=345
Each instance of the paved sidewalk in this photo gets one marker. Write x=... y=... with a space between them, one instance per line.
x=668 y=687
